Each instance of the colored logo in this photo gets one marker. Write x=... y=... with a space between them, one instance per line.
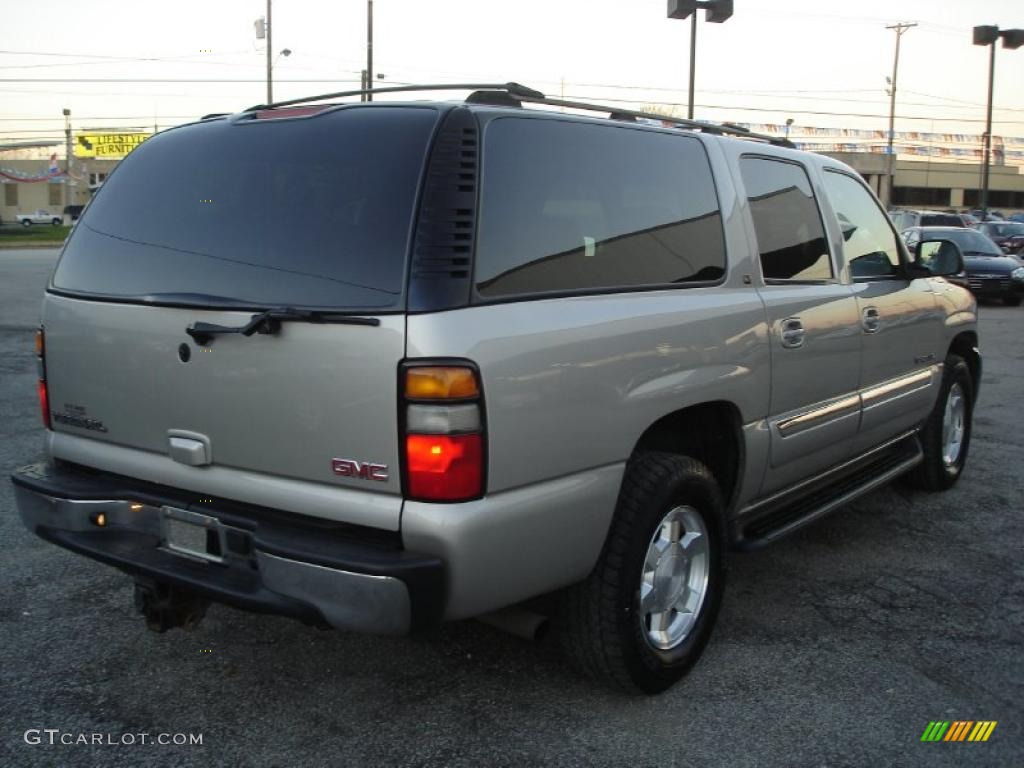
x=959 y=730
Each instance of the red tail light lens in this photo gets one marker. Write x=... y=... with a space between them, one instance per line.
x=444 y=432
x=41 y=390
x=444 y=467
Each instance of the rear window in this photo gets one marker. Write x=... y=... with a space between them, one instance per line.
x=569 y=207
x=311 y=212
x=941 y=220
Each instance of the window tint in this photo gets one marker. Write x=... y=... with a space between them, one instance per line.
x=569 y=206
x=312 y=212
x=870 y=245
x=787 y=222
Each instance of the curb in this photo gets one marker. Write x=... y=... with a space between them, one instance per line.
x=19 y=246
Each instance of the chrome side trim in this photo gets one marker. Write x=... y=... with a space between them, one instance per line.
x=897 y=387
x=818 y=416
x=821 y=476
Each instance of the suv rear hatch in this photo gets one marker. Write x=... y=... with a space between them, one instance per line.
x=215 y=223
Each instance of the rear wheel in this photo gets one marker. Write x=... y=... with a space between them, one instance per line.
x=645 y=613
x=26 y=223
x=947 y=432
x=55 y=222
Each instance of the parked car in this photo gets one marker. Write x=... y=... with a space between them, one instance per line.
x=905 y=219
x=1008 y=235
x=1017 y=217
x=41 y=216
x=510 y=352
x=991 y=274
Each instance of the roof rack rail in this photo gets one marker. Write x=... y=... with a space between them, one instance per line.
x=616 y=113
x=513 y=89
x=487 y=93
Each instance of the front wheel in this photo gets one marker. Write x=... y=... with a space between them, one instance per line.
x=26 y=223
x=946 y=435
x=645 y=613
x=56 y=222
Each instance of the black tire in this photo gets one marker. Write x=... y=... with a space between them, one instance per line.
x=934 y=473
x=1011 y=301
x=602 y=629
x=55 y=222
x=26 y=223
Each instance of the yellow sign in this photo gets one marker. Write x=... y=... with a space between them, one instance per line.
x=107 y=145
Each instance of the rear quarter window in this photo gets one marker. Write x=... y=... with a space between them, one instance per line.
x=569 y=207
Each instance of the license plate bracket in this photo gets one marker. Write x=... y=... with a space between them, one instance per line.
x=191 y=534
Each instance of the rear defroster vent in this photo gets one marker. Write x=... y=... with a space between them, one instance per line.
x=443 y=248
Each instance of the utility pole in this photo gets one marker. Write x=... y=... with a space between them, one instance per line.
x=900 y=29
x=693 y=63
x=369 y=49
x=68 y=200
x=1012 y=39
x=270 y=60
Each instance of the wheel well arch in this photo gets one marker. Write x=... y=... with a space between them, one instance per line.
x=709 y=432
x=965 y=345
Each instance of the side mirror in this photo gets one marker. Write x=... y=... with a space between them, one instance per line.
x=940 y=258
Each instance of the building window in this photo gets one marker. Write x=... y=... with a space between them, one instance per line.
x=95 y=179
x=10 y=194
x=930 y=196
x=54 y=194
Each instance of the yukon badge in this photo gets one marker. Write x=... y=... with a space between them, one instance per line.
x=363 y=470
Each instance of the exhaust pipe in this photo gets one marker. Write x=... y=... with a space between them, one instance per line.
x=520 y=622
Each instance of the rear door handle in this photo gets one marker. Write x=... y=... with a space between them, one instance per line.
x=793 y=333
x=870 y=320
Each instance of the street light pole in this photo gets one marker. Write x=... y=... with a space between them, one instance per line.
x=693 y=64
x=68 y=200
x=270 y=60
x=988 y=129
x=716 y=11
x=899 y=29
x=369 y=49
x=1012 y=39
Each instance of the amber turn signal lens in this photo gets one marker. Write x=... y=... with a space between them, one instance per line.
x=40 y=343
x=441 y=383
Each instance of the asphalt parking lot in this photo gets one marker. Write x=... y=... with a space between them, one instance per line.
x=834 y=647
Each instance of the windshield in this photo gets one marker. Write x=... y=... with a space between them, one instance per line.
x=1005 y=230
x=309 y=212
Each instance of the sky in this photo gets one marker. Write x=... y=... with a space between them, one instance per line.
x=820 y=62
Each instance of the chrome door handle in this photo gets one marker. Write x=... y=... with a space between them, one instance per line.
x=870 y=320
x=792 y=333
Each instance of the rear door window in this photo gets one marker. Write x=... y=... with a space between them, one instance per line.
x=790 y=235
x=310 y=212
x=569 y=207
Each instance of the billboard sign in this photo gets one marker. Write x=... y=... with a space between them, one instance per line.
x=110 y=146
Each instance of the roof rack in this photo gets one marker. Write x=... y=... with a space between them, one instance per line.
x=514 y=94
x=513 y=89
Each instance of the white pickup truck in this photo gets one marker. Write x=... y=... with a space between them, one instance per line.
x=39 y=217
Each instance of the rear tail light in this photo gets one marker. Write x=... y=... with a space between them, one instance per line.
x=41 y=390
x=443 y=432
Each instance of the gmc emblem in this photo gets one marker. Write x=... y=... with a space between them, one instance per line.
x=363 y=470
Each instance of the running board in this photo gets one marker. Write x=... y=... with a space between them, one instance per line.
x=782 y=514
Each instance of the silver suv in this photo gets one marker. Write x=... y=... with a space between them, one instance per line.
x=382 y=365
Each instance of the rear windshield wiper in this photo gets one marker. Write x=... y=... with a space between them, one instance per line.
x=269 y=322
